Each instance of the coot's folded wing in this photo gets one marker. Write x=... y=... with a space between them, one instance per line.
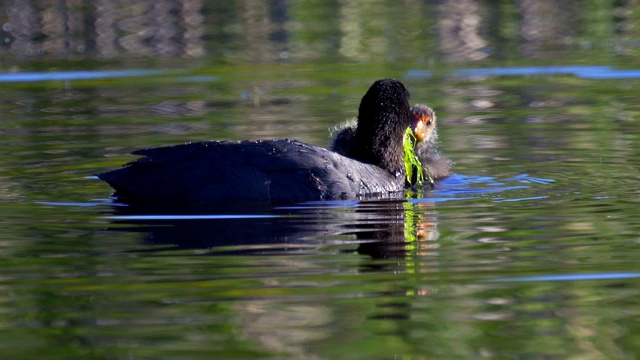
x=276 y=171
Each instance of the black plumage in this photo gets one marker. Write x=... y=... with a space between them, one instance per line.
x=277 y=171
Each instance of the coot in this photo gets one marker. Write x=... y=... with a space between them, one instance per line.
x=277 y=171
x=423 y=125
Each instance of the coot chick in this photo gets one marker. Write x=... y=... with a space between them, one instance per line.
x=423 y=125
x=277 y=171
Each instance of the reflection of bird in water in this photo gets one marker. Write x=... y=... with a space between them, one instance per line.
x=423 y=125
x=410 y=231
x=380 y=229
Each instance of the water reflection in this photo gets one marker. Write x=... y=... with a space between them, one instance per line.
x=294 y=301
x=459 y=27
x=281 y=31
x=385 y=229
x=380 y=229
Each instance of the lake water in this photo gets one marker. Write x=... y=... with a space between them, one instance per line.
x=530 y=250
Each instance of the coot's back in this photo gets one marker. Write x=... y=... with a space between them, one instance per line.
x=273 y=171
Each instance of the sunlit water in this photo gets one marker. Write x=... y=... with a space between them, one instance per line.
x=528 y=251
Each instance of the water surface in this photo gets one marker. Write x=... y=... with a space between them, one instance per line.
x=529 y=250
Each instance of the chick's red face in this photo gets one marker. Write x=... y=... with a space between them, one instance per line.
x=422 y=123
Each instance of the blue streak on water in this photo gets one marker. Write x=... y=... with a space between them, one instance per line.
x=189 y=217
x=569 y=277
x=196 y=78
x=486 y=190
x=76 y=75
x=326 y=204
x=419 y=74
x=463 y=187
x=101 y=202
x=585 y=72
x=468 y=184
x=533 y=70
x=526 y=179
x=522 y=199
x=78 y=204
x=613 y=74
x=439 y=199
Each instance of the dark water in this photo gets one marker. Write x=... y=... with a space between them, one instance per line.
x=528 y=251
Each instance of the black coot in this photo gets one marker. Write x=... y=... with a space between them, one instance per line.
x=277 y=171
x=423 y=125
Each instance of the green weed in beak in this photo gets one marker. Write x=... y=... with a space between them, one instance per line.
x=411 y=162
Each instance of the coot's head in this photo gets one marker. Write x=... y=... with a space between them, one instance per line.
x=383 y=118
x=423 y=124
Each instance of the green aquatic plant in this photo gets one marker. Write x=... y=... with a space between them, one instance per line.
x=412 y=163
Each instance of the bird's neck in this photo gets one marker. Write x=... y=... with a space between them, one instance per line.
x=381 y=147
